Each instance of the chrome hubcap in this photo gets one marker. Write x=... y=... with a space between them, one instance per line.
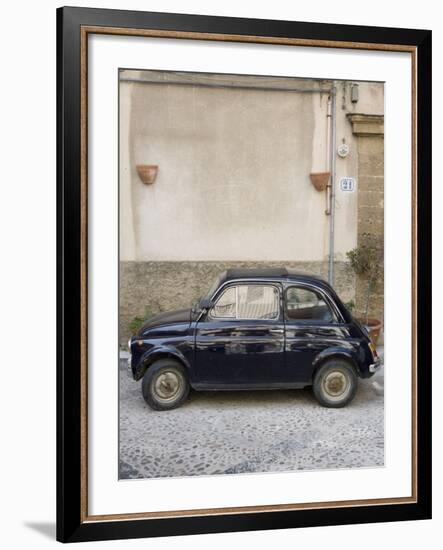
x=167 y=386
x=336 y=384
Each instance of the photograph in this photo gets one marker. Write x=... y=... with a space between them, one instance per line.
x=251 y=274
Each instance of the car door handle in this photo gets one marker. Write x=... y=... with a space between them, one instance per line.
x=276 y=331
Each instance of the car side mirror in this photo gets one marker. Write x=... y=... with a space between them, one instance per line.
x=206 y=303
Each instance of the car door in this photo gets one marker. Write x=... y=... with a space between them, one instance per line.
x=240 y=342
x=313 y=324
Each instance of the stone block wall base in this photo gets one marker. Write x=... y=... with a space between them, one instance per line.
x=153 y=287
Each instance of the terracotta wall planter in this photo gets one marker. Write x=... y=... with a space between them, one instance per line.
x=320 y=180
x=147 y=172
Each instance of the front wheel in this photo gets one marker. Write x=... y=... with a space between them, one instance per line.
x=335 y=383
x=165 y=385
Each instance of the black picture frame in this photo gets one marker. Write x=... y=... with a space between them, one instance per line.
x=71 y=522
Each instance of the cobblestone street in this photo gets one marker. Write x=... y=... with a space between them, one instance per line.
x=249 y=431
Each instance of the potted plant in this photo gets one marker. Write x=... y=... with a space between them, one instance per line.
x=366 y=261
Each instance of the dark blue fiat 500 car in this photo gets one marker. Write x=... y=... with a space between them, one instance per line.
x=255 y=329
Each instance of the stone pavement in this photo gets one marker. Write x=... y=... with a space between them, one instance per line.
x=249 y=431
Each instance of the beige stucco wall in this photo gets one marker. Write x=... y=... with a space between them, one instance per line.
x=233 y=180
x=126 y=225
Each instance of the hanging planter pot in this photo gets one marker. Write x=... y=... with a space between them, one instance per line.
x=147 y=172
x=320 y=180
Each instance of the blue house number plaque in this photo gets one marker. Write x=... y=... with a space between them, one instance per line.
x=347 y=184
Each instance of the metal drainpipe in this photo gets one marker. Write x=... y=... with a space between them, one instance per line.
x=332 y=188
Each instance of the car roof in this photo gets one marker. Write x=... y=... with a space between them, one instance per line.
x=269 y=273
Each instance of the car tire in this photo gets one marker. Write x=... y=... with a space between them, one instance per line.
x=165 y=385
x=335 y=383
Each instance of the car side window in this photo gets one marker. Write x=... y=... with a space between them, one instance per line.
x=247 y=302
x=303 y=304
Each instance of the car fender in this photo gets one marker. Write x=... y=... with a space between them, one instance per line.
x=350 y=354
x=151 y=355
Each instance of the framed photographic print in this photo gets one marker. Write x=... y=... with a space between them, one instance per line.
x=244 y=271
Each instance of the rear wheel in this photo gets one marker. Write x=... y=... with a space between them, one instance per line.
x=335 y=383
x=165 y=385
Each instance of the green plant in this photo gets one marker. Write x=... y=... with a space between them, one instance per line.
x=137 y=322
x=366 y=261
